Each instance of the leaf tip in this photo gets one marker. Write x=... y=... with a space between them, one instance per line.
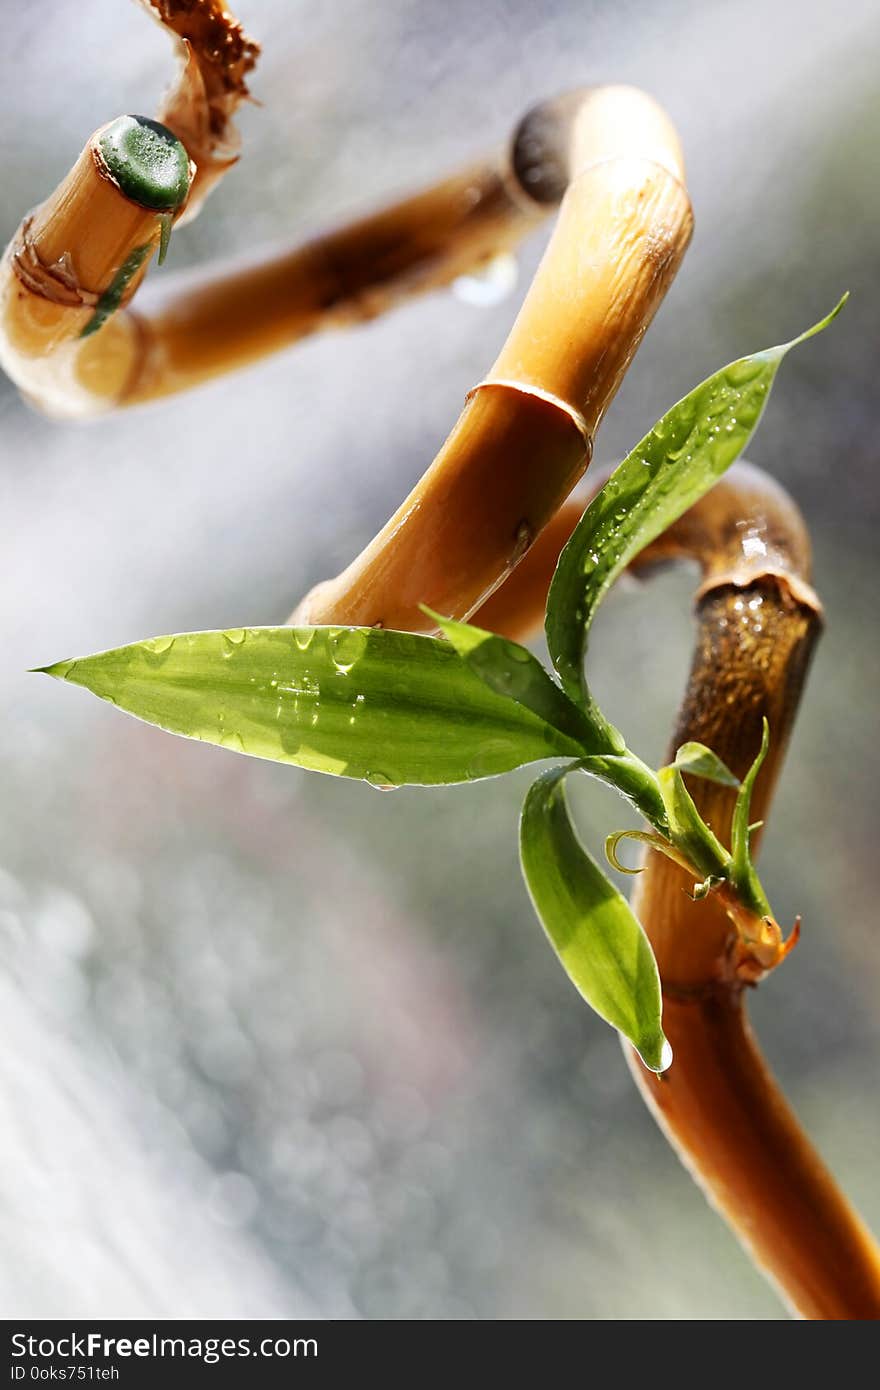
x=821 y=325
x=656 y=1053
x=437 y=618
x=58 y=670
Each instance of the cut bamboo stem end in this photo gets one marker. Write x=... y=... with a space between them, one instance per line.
x=85 y=251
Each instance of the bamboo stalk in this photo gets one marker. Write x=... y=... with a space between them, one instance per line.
x=721 y=1108
x=196 y=326
x=624 y=224
x=719 y=1105
x=52 y=281
x=88 y=246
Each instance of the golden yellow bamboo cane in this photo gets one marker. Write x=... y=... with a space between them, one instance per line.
x=525 y=435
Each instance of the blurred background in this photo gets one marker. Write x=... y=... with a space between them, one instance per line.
x=274 y=1044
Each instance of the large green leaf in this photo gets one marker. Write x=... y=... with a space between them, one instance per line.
x=673 y=466
x=591 y=925
x=388 y=707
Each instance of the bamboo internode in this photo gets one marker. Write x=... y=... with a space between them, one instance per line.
x=525 y=435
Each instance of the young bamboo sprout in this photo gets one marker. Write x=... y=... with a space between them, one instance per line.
x=720 y=1107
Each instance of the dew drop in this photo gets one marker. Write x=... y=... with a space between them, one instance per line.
x=490 y=760
x=347 y=646
x=489 y=283
x=522 y=540
x=381 y=781
x=304 y=637
x=741 y=373
x=158 y=650
x=233 y=639
x=518 y=654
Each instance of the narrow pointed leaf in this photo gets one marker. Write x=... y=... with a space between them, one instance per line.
x=700 y=761
x=672 y=467
x=742 y=870
x=592 y=927
x=511 y=670
x=389 y=707
x=644 y=837
x=700 y=846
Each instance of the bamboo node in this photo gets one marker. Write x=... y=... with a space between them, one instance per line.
x=56 y=282
x=793 y=589
x=525 y=389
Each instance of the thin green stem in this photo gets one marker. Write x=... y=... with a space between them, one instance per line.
x=632 y=777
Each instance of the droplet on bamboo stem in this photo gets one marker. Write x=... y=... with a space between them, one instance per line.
x=489 y=283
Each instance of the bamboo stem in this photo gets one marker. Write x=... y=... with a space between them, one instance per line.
x=89 y=245
x=719 y=1105
x=623 y=227
x=51 y=283
x=624 y=224
x=199 y=325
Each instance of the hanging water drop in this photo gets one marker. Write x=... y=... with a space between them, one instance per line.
x=380 y=780
x=347 y=645
x=489 y=283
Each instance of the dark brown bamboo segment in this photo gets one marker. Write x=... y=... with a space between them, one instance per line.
x=719 y=1105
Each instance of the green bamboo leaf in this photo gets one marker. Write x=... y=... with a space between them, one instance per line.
x=673 y=466
x=700 y=761
x=687 y=829
x=591 y=926
x=742 y=871
x=511 y=670
x=642 y=837
x=388 y=707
